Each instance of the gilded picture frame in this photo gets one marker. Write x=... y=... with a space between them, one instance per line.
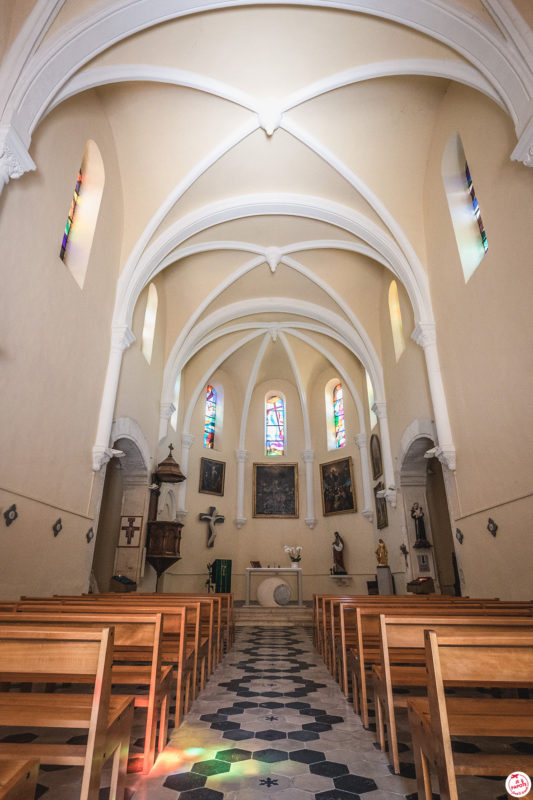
x=337 y=487
x=275 y=491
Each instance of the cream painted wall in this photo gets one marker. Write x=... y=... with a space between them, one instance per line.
x=484 y=336
x=51 y=390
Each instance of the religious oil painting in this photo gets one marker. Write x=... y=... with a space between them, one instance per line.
x=338 y=490
x=375 y=455
x=130 y=531
x=275 y=490
x=382 y=519
x=212 y=476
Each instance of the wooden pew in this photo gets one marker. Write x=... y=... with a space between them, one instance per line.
x=180 y=641
x=18 y=778
x=403 y=637
x=508 y=661
x=106 y=718
x=138 y=638
x=360 y=648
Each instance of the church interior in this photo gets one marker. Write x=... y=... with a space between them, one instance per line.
x=344 y=389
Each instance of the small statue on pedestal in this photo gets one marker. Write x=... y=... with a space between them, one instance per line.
x=338 y=555
x=420 y=529
x=382 y=554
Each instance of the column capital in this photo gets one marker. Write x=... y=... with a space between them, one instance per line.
x=361 y=440
x=240 y=521
x=524 y=149
x=368 y=513
x=14 y=157
x=121 y=338
x=102 y=455
x=187 y=440
x=424 y=334
x=380 y=410
x=308 y=456
x=167 y=409
x=242 y=457
x=311 y=522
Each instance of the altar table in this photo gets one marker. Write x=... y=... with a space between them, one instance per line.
x=274 y=571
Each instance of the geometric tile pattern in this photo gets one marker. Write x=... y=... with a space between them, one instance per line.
x=272 y=723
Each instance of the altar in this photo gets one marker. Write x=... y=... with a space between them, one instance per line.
x=268 y=572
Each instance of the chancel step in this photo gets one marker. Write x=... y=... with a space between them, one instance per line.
x=269 y=616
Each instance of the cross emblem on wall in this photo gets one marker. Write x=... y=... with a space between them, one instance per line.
x=130 y=529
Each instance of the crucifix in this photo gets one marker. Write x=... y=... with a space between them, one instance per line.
x=212 y=518
x=130 y=529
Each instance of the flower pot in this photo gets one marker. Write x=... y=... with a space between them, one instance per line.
x=295 y=564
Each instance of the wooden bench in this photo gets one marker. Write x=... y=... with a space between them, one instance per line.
x=136 y=664
x=18 y=778
x=180 y=640
x=401 y=639
x=433 y=720
x=106 y=718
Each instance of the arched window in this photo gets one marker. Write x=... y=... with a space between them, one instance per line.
x=338 y=416
x=274 y=425
x=370 y=393
x=210 y=416
x=81 y=221
x=464 y=207
x=396 y=320
x=150 y=316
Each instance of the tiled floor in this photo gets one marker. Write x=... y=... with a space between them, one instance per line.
x=272 y=723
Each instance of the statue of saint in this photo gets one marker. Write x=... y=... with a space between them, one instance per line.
x=420 y=529
x=338 y=555
x=382 y=553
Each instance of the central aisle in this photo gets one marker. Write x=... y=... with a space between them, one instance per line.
x=272 y=723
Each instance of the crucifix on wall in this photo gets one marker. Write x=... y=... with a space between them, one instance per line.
x=130 y=531
x=212 y=518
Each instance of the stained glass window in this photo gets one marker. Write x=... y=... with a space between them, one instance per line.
x=338 y=416
x=71 y=213
x=274 y=426
x=210 y=417
x=475 y=205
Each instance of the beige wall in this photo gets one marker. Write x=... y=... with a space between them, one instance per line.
x=55 y=341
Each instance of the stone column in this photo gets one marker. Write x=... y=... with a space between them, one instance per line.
x=187 y=440
x=425 y=335
x=121 y=339
x=380 y=410
x=308 y=457
x=242 y=457
x=361 y=441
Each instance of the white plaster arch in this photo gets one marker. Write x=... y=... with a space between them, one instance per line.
x=51 y=65
x=135 y=275
x=128 y=428
x=417 y=429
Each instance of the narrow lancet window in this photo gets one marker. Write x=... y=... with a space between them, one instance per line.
x=274 y=425
x=210 y=417
x=338 y=416
x=150 y=316
x=396 y=320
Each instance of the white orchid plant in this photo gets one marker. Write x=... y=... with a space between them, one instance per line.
x=295 y=552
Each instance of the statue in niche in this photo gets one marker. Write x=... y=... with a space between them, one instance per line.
x=382 y=554
x=338 y=555
x=417 y=515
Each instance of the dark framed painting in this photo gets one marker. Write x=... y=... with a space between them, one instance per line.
x=375 y=455
x=212 y=476
x=338 y=490
x=382 y=519
x=275 y=490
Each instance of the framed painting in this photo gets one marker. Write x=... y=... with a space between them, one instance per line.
x=212 y=476
x=338 y=490
x=275 y=490
x=375 y=455
x=130 y=531
x=382 y=519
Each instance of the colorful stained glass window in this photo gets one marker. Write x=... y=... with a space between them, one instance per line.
x=338 y=416
x=475 y=206
x=71 y=213
x=274 y=426
x=210 y=417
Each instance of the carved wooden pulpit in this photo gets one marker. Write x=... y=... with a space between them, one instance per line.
x=163 y=536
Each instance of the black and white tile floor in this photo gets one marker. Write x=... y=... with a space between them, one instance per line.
x=273 y=724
